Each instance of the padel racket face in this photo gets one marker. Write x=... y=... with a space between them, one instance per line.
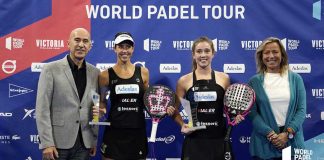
x=157 y=99
x=238 y=99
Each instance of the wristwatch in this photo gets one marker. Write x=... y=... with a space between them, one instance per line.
x=290 y=133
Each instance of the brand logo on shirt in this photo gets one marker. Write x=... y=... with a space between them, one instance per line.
x=127 y=89
x=205 y=96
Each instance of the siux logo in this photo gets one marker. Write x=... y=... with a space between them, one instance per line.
x=14 y=43
x=182 y=45
x=37 y=67
x=110 y=44
x=49 y=44
x=151 y=45
x=244 y=139
x=15 y=90
x=29 y=113
x=9 y=66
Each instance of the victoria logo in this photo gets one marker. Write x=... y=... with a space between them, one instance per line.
x=318 y=44
x=15 y=90
x=318 y=93
x=182 y=45
x=110 y=44
x=250 y=44
x=49 y=44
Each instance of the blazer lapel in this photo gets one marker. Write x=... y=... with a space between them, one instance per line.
x=68 y=73
x=89 y=79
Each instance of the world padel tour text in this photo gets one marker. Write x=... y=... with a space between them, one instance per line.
x=170 y=12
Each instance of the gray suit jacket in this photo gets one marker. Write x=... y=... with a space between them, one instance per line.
x=59 y=112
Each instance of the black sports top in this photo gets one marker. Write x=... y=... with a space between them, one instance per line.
x=206 y=102
x=126 y=98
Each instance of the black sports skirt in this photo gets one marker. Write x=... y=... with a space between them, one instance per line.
x=203 y=148
x=124 y=143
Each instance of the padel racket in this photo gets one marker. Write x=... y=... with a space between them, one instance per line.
x=238 y=100
x=156 y=99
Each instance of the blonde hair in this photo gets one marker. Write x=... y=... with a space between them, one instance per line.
x=194 y=45
x=261 y=67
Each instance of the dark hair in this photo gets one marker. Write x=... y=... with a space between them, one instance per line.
x=261 y=67
x=196 y=42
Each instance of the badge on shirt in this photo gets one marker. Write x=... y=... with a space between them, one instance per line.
x=127 y=89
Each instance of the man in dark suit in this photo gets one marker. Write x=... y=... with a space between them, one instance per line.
x=63 y=105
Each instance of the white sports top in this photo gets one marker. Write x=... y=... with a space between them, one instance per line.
x=277 y=89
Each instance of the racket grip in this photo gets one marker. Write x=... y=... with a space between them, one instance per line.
x=228 y=133
x=153 y=131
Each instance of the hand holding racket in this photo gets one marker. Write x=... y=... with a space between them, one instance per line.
x=157 y=99
x=238 y=100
